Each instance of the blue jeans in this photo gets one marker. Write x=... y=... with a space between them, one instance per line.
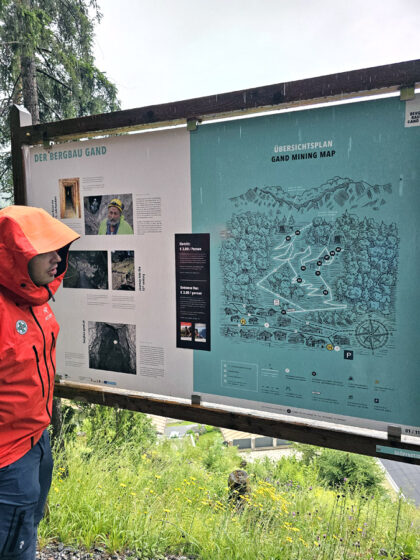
x=24 y=487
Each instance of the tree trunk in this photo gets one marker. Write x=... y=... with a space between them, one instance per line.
x=28 y=67
x=31 y=103
x=29 y=86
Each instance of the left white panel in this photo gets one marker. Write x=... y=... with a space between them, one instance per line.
x=117 y=307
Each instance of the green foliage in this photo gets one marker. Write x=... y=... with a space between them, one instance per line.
x=57 y=36
x=337 y=468
x=102 y=426
x=173 y=499
x=214 y=456
x=289 y=472
x=113 y=425
x=308 y=453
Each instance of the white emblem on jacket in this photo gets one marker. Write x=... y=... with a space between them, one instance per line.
x=21 y=327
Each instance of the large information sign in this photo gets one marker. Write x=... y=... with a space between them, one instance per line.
x=290 y=241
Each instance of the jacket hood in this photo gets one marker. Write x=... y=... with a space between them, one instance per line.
x=24 y=233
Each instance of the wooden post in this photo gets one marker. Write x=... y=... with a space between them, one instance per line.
x=19 y=117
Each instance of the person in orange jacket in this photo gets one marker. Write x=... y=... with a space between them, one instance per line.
x=33 y=260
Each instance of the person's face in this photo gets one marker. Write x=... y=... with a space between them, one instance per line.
x=43 y=268
x=113 y=215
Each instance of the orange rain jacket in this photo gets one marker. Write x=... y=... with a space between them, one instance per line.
x=28 y=329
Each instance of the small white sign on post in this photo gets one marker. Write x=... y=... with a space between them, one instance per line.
x=412 y=111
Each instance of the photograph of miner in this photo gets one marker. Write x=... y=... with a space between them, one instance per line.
x=87 y=269
x=110 y=214
x=186 y=331
x=200 y=330
x=112 y=347
x=122 y=267
x=69 y=190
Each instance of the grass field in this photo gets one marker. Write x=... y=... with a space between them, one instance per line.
x=172 y=497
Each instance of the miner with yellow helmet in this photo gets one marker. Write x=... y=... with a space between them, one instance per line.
x=114 y=223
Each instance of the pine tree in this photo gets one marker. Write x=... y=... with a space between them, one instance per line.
x=47 y=65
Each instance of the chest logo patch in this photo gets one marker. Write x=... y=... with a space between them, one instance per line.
x=21 y=327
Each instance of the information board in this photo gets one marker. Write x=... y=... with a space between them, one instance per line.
x=304 y=240
x=117 y=306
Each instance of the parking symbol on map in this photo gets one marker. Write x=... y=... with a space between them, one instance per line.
x=348 y=354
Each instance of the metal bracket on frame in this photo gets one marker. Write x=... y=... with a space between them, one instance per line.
x=394 y=433
x=192 y=124
x=407 y=93
x=196 y=399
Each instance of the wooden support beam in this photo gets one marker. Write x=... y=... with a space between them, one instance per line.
x=381 y=79
x=299 y=431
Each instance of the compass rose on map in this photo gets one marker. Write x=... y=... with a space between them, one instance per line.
x=372 y=334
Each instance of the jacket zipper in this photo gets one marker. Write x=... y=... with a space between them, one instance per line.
x=39 y=372
x=45 y=361
x=51 y=349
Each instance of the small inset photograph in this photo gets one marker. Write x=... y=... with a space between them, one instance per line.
x=69 y=198
x=88 y=270
x=186 y=331
x=112 y=347
x=122 y=266
x=200 y=332
x=110 y=214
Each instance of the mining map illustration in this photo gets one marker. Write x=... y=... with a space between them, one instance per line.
x=296 y=276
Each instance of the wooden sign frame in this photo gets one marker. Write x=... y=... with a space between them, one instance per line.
x=401 y=77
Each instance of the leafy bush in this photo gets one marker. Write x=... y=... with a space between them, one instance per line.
x=336 y=468
x=286 y=471
x=102 y=426
x=307 y=453
x=118 y=426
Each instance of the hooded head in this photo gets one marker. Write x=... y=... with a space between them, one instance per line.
x=25 y=233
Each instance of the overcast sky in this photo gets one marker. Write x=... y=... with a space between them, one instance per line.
x=167 y=50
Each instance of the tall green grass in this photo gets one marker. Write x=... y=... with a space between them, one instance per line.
x=172 y=497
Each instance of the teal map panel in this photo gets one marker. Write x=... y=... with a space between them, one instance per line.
x=313 y=219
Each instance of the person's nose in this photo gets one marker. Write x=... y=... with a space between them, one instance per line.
x=55 y=257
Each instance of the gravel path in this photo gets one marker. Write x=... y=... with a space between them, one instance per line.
x=59 y=551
